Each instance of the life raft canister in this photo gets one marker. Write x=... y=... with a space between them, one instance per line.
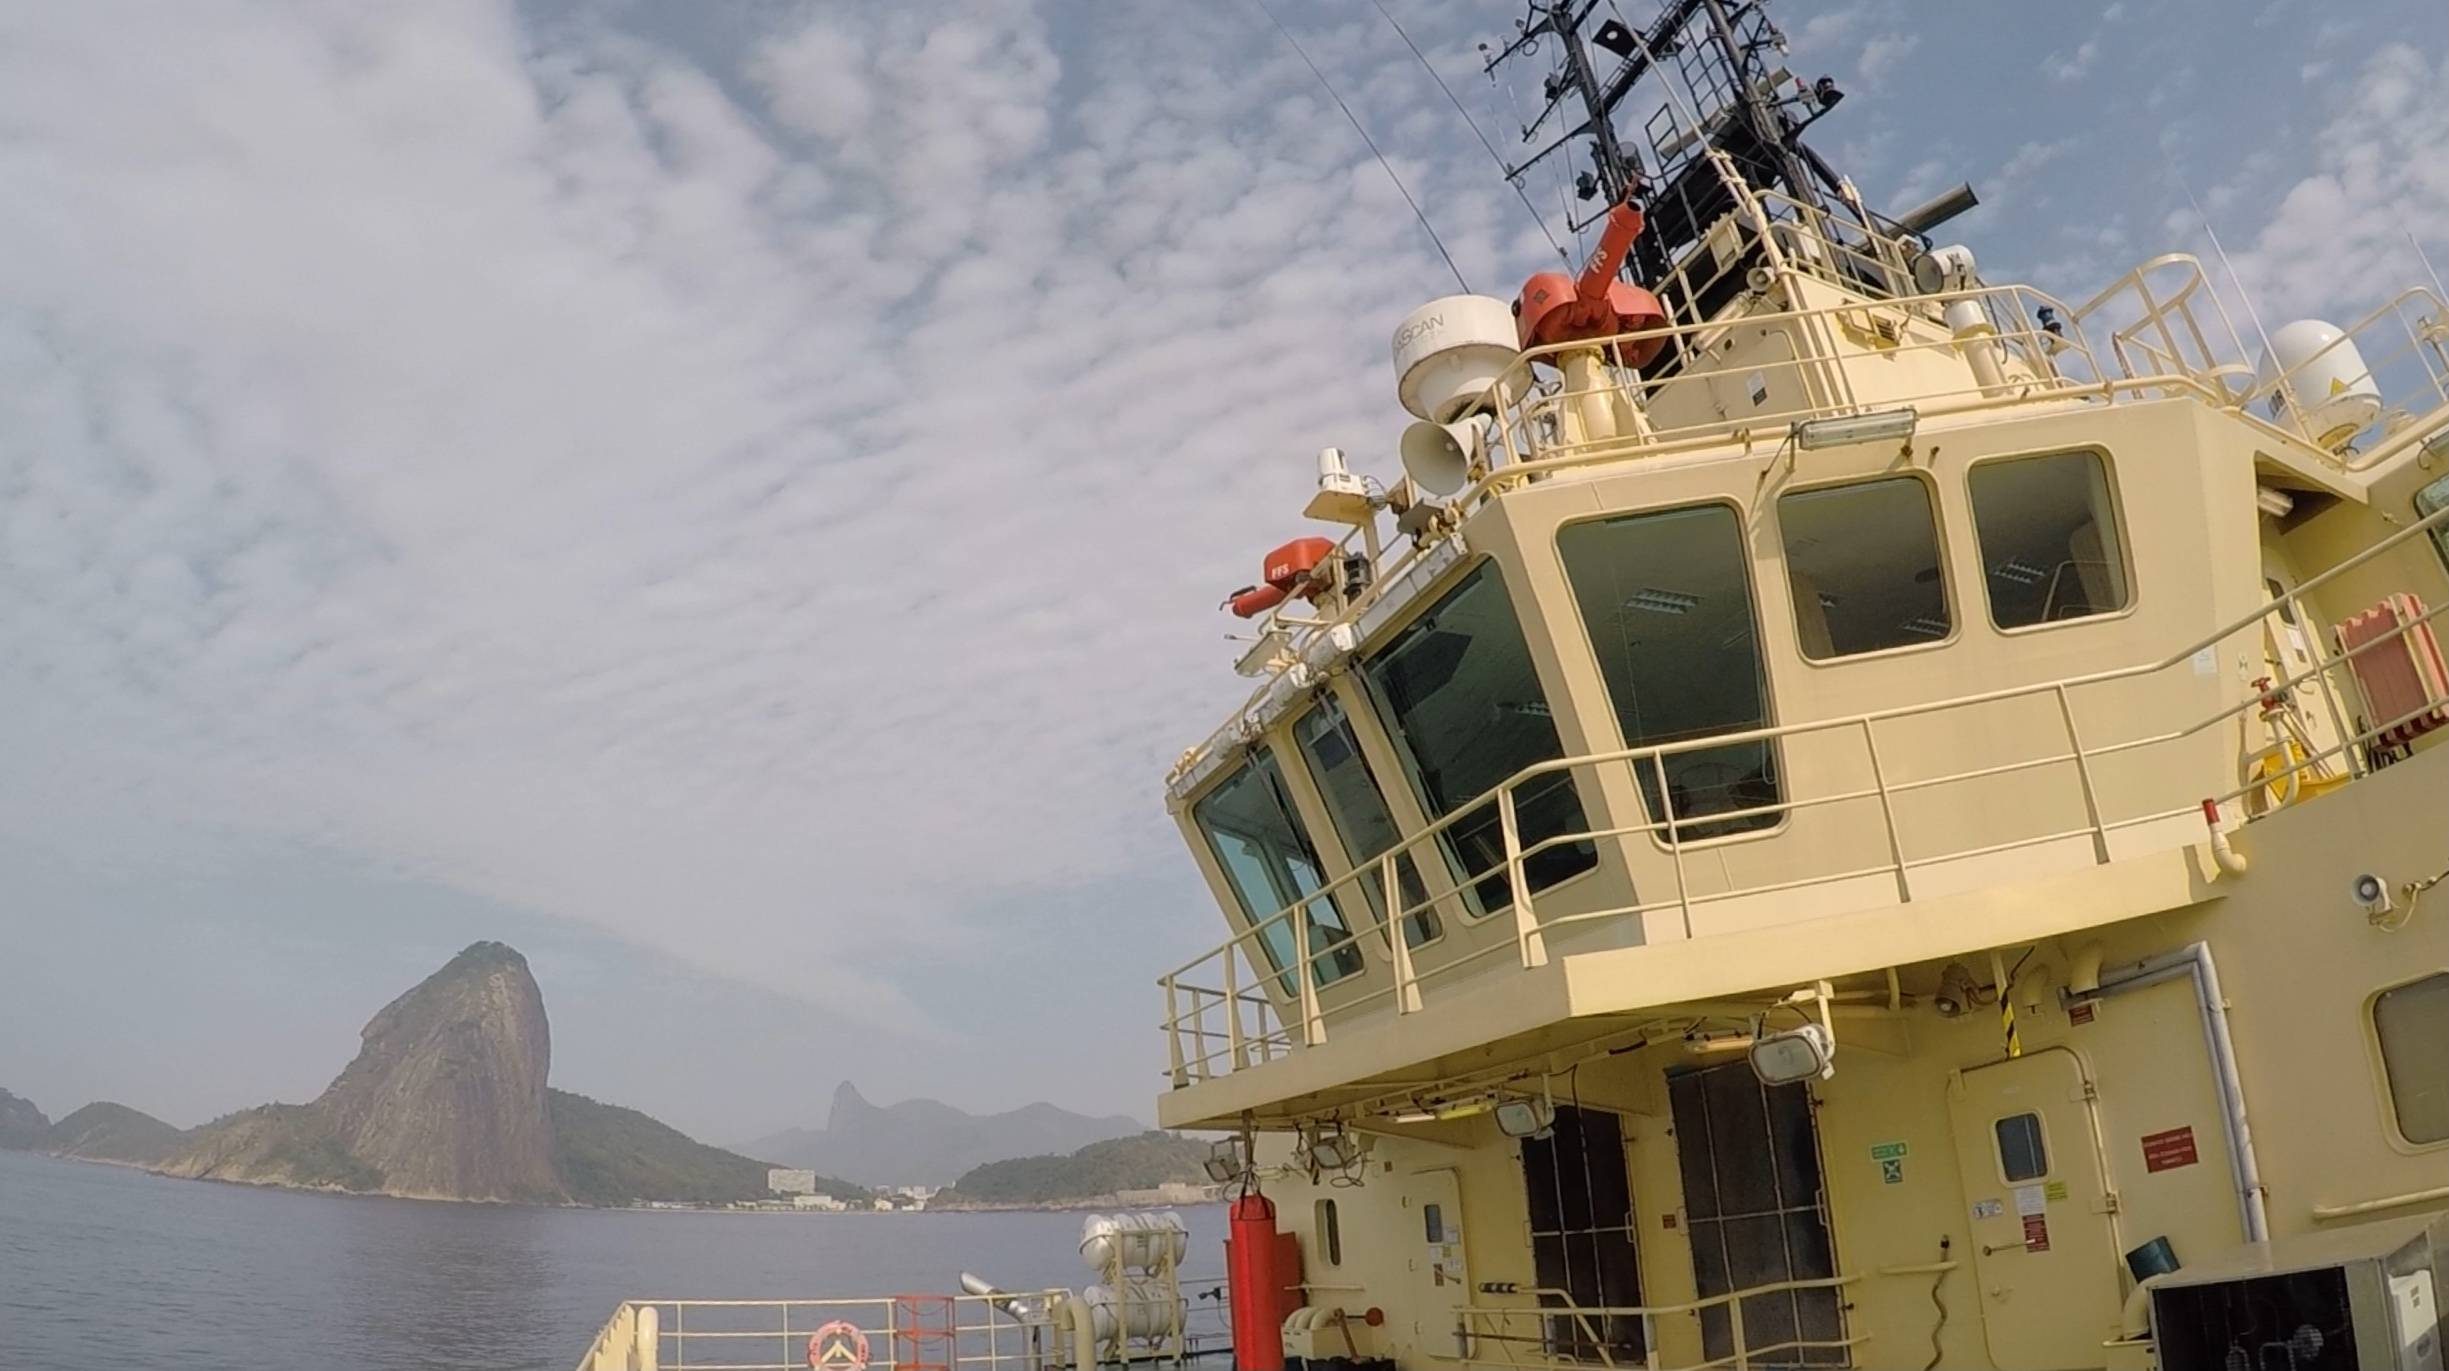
x=1284 y=571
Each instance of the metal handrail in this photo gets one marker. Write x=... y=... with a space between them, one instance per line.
x=1530 y=930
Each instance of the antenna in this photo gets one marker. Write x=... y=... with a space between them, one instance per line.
x=1389 y=167
x=2426 y=258
x=1493 y=154
x=2230 y=267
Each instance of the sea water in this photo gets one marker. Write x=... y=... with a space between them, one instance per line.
x=106 y=1268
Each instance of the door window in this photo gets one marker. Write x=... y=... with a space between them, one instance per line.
x=2022 y=1156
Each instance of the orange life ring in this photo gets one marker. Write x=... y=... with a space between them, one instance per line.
x=838 y=1346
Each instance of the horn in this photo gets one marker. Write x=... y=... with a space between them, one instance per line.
x=1438 y=457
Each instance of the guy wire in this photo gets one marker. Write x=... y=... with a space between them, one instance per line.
x=1493 y=154
x=1332 y=94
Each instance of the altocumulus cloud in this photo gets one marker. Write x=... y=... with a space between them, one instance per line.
x=764 y=495
x=754 y=515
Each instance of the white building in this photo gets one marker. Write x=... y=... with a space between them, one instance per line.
x=787 y=1182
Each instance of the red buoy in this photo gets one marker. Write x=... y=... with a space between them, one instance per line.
x=1256 y=1284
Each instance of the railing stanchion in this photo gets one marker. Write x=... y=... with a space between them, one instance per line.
x=2083 y=772
x=1313 y=1025
x=1675 y=839
x=1887 y=814
x=1173 y=1034
x=1407 y=986
x=1527 y=937
x=1233 y=1008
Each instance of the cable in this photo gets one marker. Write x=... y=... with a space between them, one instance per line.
x=1493 y=154
x=1332 y=94
x=1935 y=1329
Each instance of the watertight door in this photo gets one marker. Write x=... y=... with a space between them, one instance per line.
x=1441 y=1283
x=2044 y=1254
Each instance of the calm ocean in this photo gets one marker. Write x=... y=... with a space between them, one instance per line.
x=108 y=1269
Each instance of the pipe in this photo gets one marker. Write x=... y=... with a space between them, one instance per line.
x=2083 y=975
x=2227 y=858
x=2195 y=960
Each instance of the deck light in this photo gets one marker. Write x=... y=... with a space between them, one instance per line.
x=1333 y=1149
x=1798 y=1054
x=1525 y=1118
x=1224 y=1162
x=1845 y=430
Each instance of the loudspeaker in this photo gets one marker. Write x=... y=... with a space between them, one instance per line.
x=1438 y=457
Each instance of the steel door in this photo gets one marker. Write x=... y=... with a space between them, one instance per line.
x=1441 y=1282
x=2044 y=1251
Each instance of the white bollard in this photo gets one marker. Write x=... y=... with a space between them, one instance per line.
x=647 y=1352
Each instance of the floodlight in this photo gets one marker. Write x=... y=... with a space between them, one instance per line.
x=1798 y=1054
x=1224 y=1161
x=1334 y=1150
x=1525 y=1118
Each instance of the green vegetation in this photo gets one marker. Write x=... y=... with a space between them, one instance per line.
x=107 y=1132
x=319 y=1160
x=21 y=1124
x=608 y=1155
x=1143 y=1162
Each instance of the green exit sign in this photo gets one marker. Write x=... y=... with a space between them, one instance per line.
x=1887 y=1151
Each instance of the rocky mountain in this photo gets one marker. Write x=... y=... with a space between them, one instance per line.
x=445 y=1100
x=924 y=1142
x=107 y=1132
x=21 y=1125
x=608 y=1155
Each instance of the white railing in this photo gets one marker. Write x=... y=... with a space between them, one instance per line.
x=1005 y=1331
x=1561 y=1333
x=1233 y=1008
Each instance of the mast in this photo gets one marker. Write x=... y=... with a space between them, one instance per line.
x=1723 y=126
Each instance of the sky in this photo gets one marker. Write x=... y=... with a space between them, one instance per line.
x=733 y=499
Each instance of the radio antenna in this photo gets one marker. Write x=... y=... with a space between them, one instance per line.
x=1417 y=213
x=1493 y=155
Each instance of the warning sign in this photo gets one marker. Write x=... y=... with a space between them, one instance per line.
x=1989 y=1209
x=1891 y=1171
x=2170 y=1150
x=2036 y=1232
x=2054 y=1192
x=838 y=1346
x=2083 y=1013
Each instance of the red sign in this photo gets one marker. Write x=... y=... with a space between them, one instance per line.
x=2081 y=1014
x=2036 y=1232
x=2170 y=1150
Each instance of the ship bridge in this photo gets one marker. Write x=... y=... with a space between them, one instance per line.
x=1872 y=625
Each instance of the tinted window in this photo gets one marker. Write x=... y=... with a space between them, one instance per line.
x=1366 y=826
x=1258 y=839
x=1863 y=561
x=2412 y=1023
x=2049 y=543
x=1667 y=600
x=2022 y=1156
x=1330 y=1233
x=1466 y=711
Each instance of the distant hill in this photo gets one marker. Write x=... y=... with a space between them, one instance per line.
x=107 y=1132
x=1141 y=1162
x=608 y=1155
x=21 y=1125
x=924 y=1142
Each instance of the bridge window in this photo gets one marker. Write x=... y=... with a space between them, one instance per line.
x=1863 y=561
x=2049 y=545
x=1362 y=820
x=1267 y=858
x=1466 y=711
x=2412 y=1023
x=1667 y=600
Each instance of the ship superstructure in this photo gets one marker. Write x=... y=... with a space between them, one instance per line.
x=1840 y=813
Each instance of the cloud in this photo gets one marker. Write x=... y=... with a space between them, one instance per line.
x=757 y=519
x=2343 y=238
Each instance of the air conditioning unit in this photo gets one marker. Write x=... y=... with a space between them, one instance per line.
x=2367 y=1296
